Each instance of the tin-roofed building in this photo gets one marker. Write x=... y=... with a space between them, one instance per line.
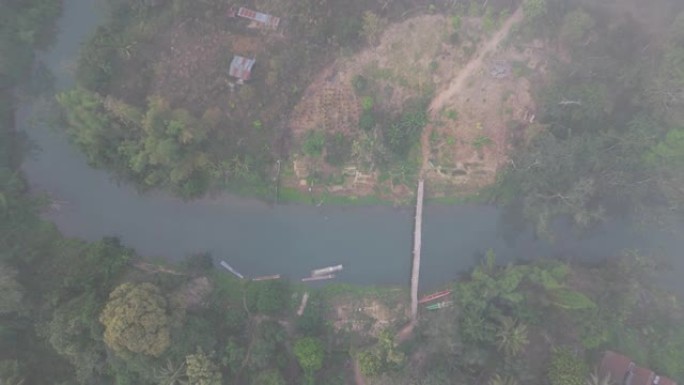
x=262 y=18
x=241 y=67
x=623 y=371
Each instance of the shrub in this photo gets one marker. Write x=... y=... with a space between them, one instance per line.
x=452 y=114
x=454 y=38
x=566 y=368
x=456 y=22
x=370 y=363
x=534 y=8
x=314 y=143
x=481 y=141
x=337 y=149
x=269 y=297
x=367 y=103
x=359 y=83
x=367 y=121
x=404 y=132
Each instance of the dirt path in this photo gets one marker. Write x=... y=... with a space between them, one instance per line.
x=358 y=377
x=405 y=333
x=458 y=82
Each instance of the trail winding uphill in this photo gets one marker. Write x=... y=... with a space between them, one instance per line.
x=459 y=81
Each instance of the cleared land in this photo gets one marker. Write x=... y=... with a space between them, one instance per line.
x=478 y=93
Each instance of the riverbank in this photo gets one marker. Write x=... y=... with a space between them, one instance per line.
x=354 y=122
x=529 y=313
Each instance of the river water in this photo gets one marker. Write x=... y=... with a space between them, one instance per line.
x=373 y=243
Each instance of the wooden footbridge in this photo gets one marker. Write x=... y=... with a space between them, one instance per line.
x=417 y=234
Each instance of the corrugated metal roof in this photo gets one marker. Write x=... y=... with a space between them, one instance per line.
x=268 y=20
x=618 y=366
x=241 y=67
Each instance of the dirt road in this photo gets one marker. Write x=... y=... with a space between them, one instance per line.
x=458 y=82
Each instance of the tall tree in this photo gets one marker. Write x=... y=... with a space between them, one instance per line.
x=11 y=293
x=309 y=352
x=201 y=370
x=511 y=337
x=136 y=319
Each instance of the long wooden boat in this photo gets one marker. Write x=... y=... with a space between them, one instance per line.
x=434 y=296
x=266 y=277
x=230 y=268
x=318 y=278
x=439 y=305
x=326 y=270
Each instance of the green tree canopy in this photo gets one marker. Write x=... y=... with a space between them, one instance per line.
x=534 y=9
x=567 y=368
x=269 y=377
x=667 y=157
x=160 y=147
x=136 y=319
x=309 y=352
x=370 y=362
x=11 y=293
x=201 y=370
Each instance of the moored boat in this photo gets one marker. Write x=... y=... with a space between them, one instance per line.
x=318 y=278
x=266 y=277
x=326 y=270
x=439 y=305
x=230 y=268
x=434 y=296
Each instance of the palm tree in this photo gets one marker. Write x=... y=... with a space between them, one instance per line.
x=170 y=374
x=502 y=380
x=596 y=379
x=511 y=337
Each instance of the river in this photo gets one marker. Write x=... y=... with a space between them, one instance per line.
x=373 y=243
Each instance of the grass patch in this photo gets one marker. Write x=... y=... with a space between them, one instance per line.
x=482 y=141
x=520 y=69
x=293 y=195
x=452 y=200
x=314 y=143
x=382 y=293
x=450 y=114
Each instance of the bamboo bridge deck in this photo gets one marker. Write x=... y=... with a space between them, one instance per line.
x=417 y=234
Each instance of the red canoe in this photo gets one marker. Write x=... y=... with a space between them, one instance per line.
x=434 y=296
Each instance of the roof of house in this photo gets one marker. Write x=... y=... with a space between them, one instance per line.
x=623 y=371
x=265 y=19
x=241 y=67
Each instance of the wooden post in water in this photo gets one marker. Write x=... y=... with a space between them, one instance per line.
x=277 y=182
x=417 y=234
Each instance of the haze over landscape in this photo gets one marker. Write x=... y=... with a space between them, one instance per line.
x=146 y=144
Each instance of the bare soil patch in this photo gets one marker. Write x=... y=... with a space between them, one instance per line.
x=365 y=316
x=482 y=99
x=403 y=65
x=474 y=119
x=193 y=69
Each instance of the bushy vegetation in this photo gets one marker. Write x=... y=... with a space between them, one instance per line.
x=605 y=133
x=157 y=110
x=566 y=368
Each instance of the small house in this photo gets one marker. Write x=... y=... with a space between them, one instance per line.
x=241 y=68
x=261 y=18
x=623 y=371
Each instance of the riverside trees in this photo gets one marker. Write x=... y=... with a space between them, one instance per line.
x=605 y=131
x=159 y=146
x=136 y=320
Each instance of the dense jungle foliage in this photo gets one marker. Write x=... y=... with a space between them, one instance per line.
x=610 y=116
